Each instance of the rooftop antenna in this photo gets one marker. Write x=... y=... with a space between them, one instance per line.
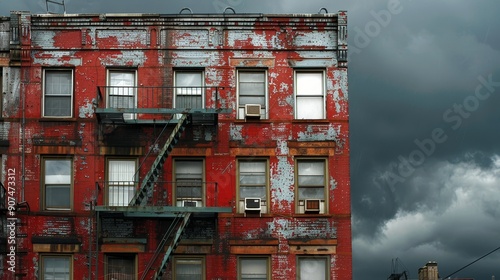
x=58 y=3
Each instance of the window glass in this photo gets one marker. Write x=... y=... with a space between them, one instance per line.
x=121 y=267
x=251 y=90
x=57 y=182
x=58 y=93
x=309 y=92
x=189 y=269
x=189 y=181
x=189 y=89
x=311 y=182
x=253 y=268
x=252 y=182
x=56 y=268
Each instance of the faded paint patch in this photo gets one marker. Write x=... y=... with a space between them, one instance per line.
x=122 y=37
x=282 y=184
x=326 y=39
x=333 y=184
x=339 y=88
x=57 y=58
x=328 y=132
x=282 y=147
x=11 y=91
x=87 y=110
x=235 y=132
x=286 y=228
x=125 y=58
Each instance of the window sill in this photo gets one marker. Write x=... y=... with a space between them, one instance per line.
x=47 y=119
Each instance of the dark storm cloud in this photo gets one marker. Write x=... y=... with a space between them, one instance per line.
x=424 y=140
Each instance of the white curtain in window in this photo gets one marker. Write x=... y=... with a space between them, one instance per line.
x=312 y=269
x=122 y=91
x=121 y=184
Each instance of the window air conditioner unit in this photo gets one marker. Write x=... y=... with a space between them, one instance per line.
x=312 y=205
x=252 y=205
x=190 y=203
x=252 y=110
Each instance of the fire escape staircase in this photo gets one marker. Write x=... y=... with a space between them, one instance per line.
x=172 y=235
x=140 y=197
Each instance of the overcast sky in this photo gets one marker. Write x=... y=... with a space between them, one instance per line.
x=424 y=86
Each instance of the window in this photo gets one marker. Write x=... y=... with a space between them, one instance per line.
x=254 y=268
x=309 y=95
x=56 y=267
x=313 y=268
x=122 y=91
x=121 y=181
x=311 y=185
x=251 y=90
x=186 y=268
x=189 y=89
x=189 y=182
x=252 y=182
x=121 y=267
x=58 y=93
x=57 y=183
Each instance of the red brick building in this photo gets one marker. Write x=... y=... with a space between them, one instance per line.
x=148 y=146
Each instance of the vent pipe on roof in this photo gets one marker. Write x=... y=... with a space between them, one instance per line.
x=186 y=9
x=229 y=8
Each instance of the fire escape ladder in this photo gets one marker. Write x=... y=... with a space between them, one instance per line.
x=140 y=197
x=173 y=234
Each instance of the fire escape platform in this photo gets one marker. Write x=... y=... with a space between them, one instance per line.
x=160 y=211
x=117 y=115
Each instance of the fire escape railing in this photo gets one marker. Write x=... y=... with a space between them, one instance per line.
x=157 y=100
x=195 y=194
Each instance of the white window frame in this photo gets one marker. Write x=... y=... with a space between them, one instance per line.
x=299 y=186
x=46 y=94
x=307 y=266
x=57 y=181
x=110 y=274
x=197 y=89
x=68 y=275
x=122 y=92
x=241 y=106
x=189 y=180
x=178 y=260
x=241 y=199
x=242 y=269
x=121 y=187
x=302 y=92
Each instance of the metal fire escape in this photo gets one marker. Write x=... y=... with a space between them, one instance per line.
x=153 y=111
